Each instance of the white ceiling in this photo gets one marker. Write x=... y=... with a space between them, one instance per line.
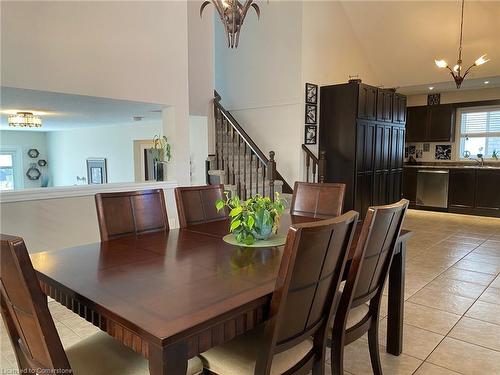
x=401 y=40
x=65 y=111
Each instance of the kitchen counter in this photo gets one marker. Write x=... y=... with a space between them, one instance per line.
x=451 y=166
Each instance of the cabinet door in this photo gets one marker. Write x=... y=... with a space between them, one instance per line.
x=367 y=104
x=441 y=125
x=364 y=193
x=380 y=188
x=410 y=184
x=487 y=189
x=399 y=109
x=461 y=189
x=365 y=146
x=385 y=102
x=397 y=147
x=416 y=124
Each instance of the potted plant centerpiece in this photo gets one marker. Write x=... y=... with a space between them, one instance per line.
x=254 y=219
x=163 y=152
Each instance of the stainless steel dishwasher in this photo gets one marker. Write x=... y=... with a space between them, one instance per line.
x=432 y=188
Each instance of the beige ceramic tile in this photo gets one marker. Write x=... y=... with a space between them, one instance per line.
x=492 y=269
x=430 y=319
x=483 y=250
x=491 y=295
x=477 y=332
x=357 y=360
x=496 y=282
x=489 y=312
x=417 y=342
x=457 y=287
x=485 y=258
x=430 y=369
x=466 y=358
x=441 y=300
x=469 y=276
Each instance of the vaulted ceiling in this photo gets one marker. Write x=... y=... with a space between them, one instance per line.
x=401 y=39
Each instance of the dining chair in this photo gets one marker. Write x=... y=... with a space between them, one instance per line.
x=33 y=334
x=359 y=307
x=196 y=204
x=293 y=339
x=317 y=200
x=131 y=213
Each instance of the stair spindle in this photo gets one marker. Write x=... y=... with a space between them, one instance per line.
x=322 y=167
x=308 y=162
x=271 y=174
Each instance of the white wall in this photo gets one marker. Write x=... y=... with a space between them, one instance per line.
x=198 y=141
x=133 y=50
x=23 y=141
x=69 y=150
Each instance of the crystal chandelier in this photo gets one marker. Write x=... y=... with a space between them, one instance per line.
x=232 y=14
x=456 y=72
x=25 y=119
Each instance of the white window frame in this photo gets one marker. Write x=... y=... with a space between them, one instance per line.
x=458 y=136
x=17 y=164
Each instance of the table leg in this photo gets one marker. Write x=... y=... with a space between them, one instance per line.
x=396 y=300
x=169 y=360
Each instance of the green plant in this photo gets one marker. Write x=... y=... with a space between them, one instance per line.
x=161 y=143
x=255 y=218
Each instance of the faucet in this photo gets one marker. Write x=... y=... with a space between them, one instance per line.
x=479 y=160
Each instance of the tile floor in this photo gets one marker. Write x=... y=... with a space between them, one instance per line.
x=452 y=310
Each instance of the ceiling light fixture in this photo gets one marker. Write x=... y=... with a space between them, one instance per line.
x=486 y=82
x=431 y=88
x=456 y=72
x=25 y=119
x=232 y=14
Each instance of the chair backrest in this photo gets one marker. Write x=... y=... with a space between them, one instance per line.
x=374 y=251
x=25 y=311
x=131 y=213
x=317 y=200
x=306 y=292
x=196 y=204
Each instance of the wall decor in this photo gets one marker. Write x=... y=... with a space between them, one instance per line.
x=311 y=112
x=411 y=150
x=418 y=154
x=443 y=152
x=427 y=147
x=42 y=162
x=33 y=153
x=96 y=171
x=33 y=173
x=433 y=99
x=406 y=152
x=310 y=136
x=311 y=93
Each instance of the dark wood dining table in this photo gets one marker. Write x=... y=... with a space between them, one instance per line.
x=172 y=295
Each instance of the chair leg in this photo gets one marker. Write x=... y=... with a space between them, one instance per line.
x=319 y=367
x=337 y=357
x=373 y=345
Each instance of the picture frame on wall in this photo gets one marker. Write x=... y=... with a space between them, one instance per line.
x=311 y=93
x=311 y=135
x=97 y=171
x=311 y=114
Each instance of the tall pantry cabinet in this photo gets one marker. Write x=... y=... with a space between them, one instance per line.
x=362 y=130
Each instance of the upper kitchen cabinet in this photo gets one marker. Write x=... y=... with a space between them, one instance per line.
x=367 y=108
x=399 y=109
x=385 y=104
x=434 y=123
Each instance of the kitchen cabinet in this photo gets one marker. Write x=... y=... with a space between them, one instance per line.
x=434 y=123
x=410 y=184
x=487 y=190
x=462 y=189
x=367 y=102
x=399 y=109
x=385 y=103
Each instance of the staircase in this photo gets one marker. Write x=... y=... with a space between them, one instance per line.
x=238 y=163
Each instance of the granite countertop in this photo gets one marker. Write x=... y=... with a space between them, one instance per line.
x=451 y=166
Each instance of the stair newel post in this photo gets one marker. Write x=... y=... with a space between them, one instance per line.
x=271 y=173
x=308 y=163
x=314 y=173
x=322 y=167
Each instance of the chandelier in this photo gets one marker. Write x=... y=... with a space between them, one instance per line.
x=25 y=119
x=232 y=14
x=456 y=72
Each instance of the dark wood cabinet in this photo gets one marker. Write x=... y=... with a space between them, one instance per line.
x=434 y=123
x=410 y=184
x=363 y=136
x=487 y=190
x=461 y=189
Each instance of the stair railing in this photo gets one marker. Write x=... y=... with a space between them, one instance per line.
x=243 y=163
x=315 y=168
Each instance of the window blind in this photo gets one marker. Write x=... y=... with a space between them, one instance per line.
x=480 y=122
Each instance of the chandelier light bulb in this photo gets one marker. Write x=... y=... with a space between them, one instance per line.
x=455 y=68
x=441 y=63
x=481 y=60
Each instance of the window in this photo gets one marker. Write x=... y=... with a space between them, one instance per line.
x=479 y=131
x=7 y=171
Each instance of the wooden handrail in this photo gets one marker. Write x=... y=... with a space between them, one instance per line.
x=318 y=165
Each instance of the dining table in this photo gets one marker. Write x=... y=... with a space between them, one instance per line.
x=172 y=295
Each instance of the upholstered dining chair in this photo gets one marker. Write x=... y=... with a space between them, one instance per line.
x=359 y=307
x=293 y=340
x=317 y=200
x=196 y=204
x=131 y=213
x=33 y=334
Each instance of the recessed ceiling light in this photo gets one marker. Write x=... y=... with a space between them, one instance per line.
x=431 y=88
x=137 y=118
x=486 y=82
